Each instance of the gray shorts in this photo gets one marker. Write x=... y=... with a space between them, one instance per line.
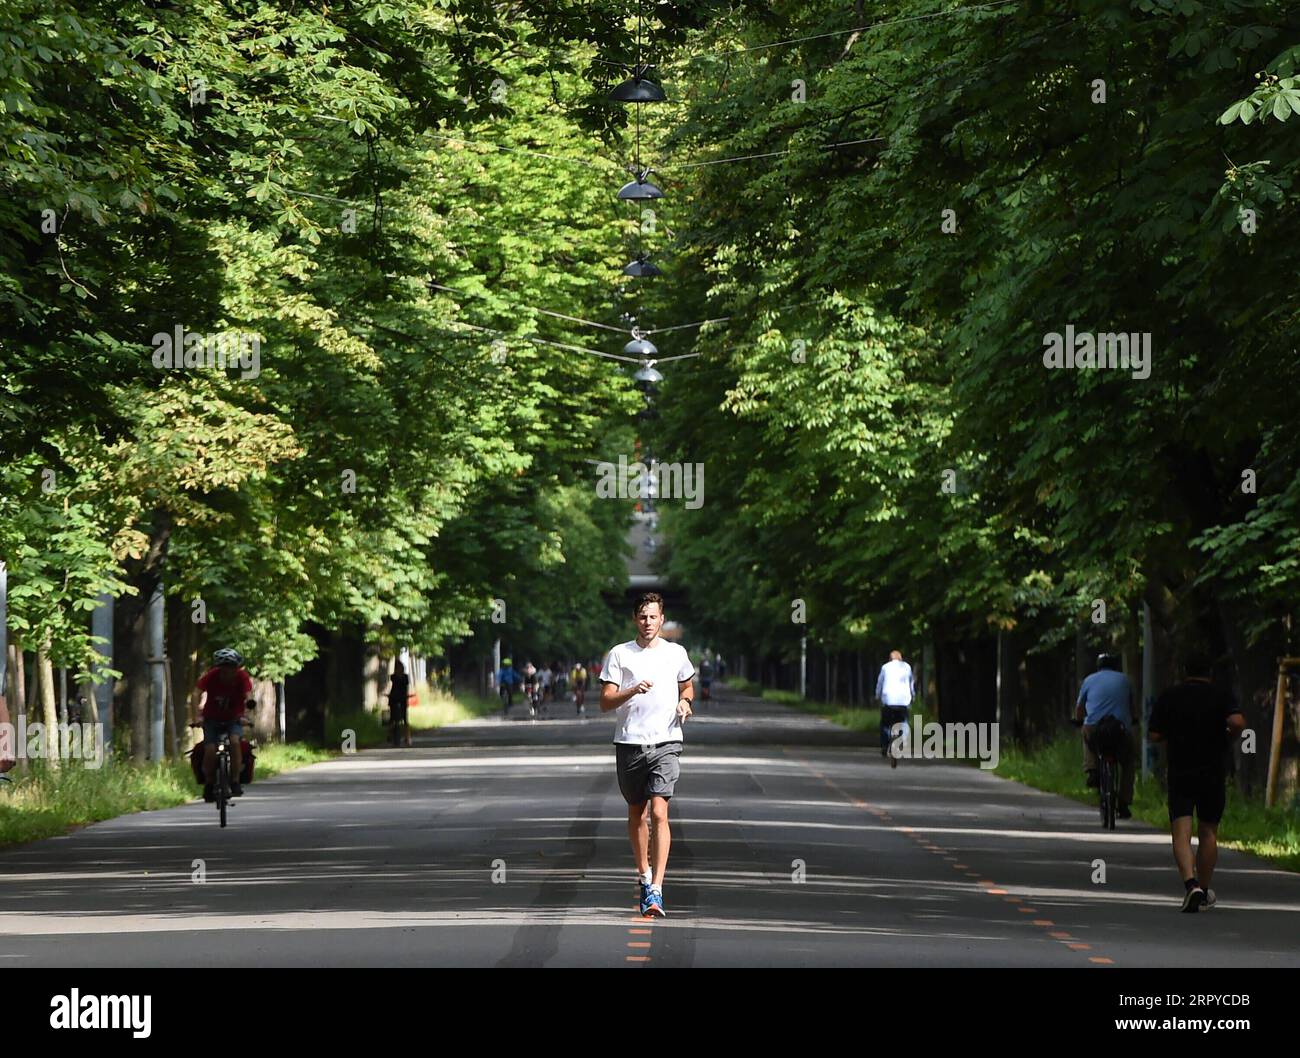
x=647 y=771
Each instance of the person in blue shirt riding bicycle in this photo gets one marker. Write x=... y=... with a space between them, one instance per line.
x=507 y=681
x=1108 y=693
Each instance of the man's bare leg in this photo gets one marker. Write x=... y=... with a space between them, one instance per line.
x=1182 y=832
x=1207 y=853
x=638 y=832
x=661 y=839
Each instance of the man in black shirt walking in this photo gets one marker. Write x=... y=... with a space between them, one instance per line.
x=1194 y=719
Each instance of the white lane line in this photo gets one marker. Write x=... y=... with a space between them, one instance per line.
x=48 y=925
x=602 y=760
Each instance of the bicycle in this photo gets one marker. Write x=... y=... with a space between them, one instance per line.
x=1108 y=771
x=400 y=723
x=1109 y=791
x=221 y=770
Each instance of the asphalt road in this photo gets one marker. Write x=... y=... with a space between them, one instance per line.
x=504 y=844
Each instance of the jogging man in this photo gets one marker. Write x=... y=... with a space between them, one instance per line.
x=895 y=687
x=1195 y=720
x=1107 y=696
x=639 y=680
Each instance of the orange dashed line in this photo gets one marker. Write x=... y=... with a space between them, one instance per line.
x=1101 y=959
x=997 y=892
x=638 y=944
x=985 y=881
x=1027 y=910
x=641 y=932
x=1015 y=899
x=637 y=958
x=1044 y=922
x=1080 y=947
x=1059 y=935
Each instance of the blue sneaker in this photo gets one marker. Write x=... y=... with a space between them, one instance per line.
x=653 y=904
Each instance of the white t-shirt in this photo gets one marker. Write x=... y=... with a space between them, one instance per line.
x=895 y=685
x=651 y=717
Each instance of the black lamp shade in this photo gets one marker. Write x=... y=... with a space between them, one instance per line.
x=639 y=191
x=641 y=267
x=640 y=347
x=637 y=90
x=647 y=376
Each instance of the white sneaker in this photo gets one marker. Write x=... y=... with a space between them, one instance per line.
x=1210 y=900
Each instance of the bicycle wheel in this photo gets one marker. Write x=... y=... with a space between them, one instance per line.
x=1112 y=800
x=1107 y=794
x=1103 y=789
x=223 y=782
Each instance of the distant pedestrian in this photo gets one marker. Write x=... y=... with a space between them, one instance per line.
x=1195 y=719
x=895 y=688
x=399 y=689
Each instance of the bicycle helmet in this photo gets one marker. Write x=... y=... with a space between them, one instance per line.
x=1108 y=661
x=227 y=656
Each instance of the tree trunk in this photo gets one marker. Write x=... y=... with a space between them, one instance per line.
x=49 y=707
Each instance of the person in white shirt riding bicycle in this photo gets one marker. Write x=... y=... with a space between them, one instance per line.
x=895 y=688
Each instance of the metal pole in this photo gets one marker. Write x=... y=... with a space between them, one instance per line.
x=157 y=677
x=803 y=666
x=496 y=664
x=279 y=702
x=101 y=627
x=1148 y=683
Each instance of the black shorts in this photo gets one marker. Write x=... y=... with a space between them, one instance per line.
x=1201 y=793
x=647 y=771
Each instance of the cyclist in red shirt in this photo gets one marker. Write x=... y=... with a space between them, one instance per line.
x=225 y=688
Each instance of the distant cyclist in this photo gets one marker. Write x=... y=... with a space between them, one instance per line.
x=706 y=677
x=895 y=688
x=507 y=681
x=578 y=680
x=1106 y=697
x=530 y=685
x=225 y=688
x=544 y=676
